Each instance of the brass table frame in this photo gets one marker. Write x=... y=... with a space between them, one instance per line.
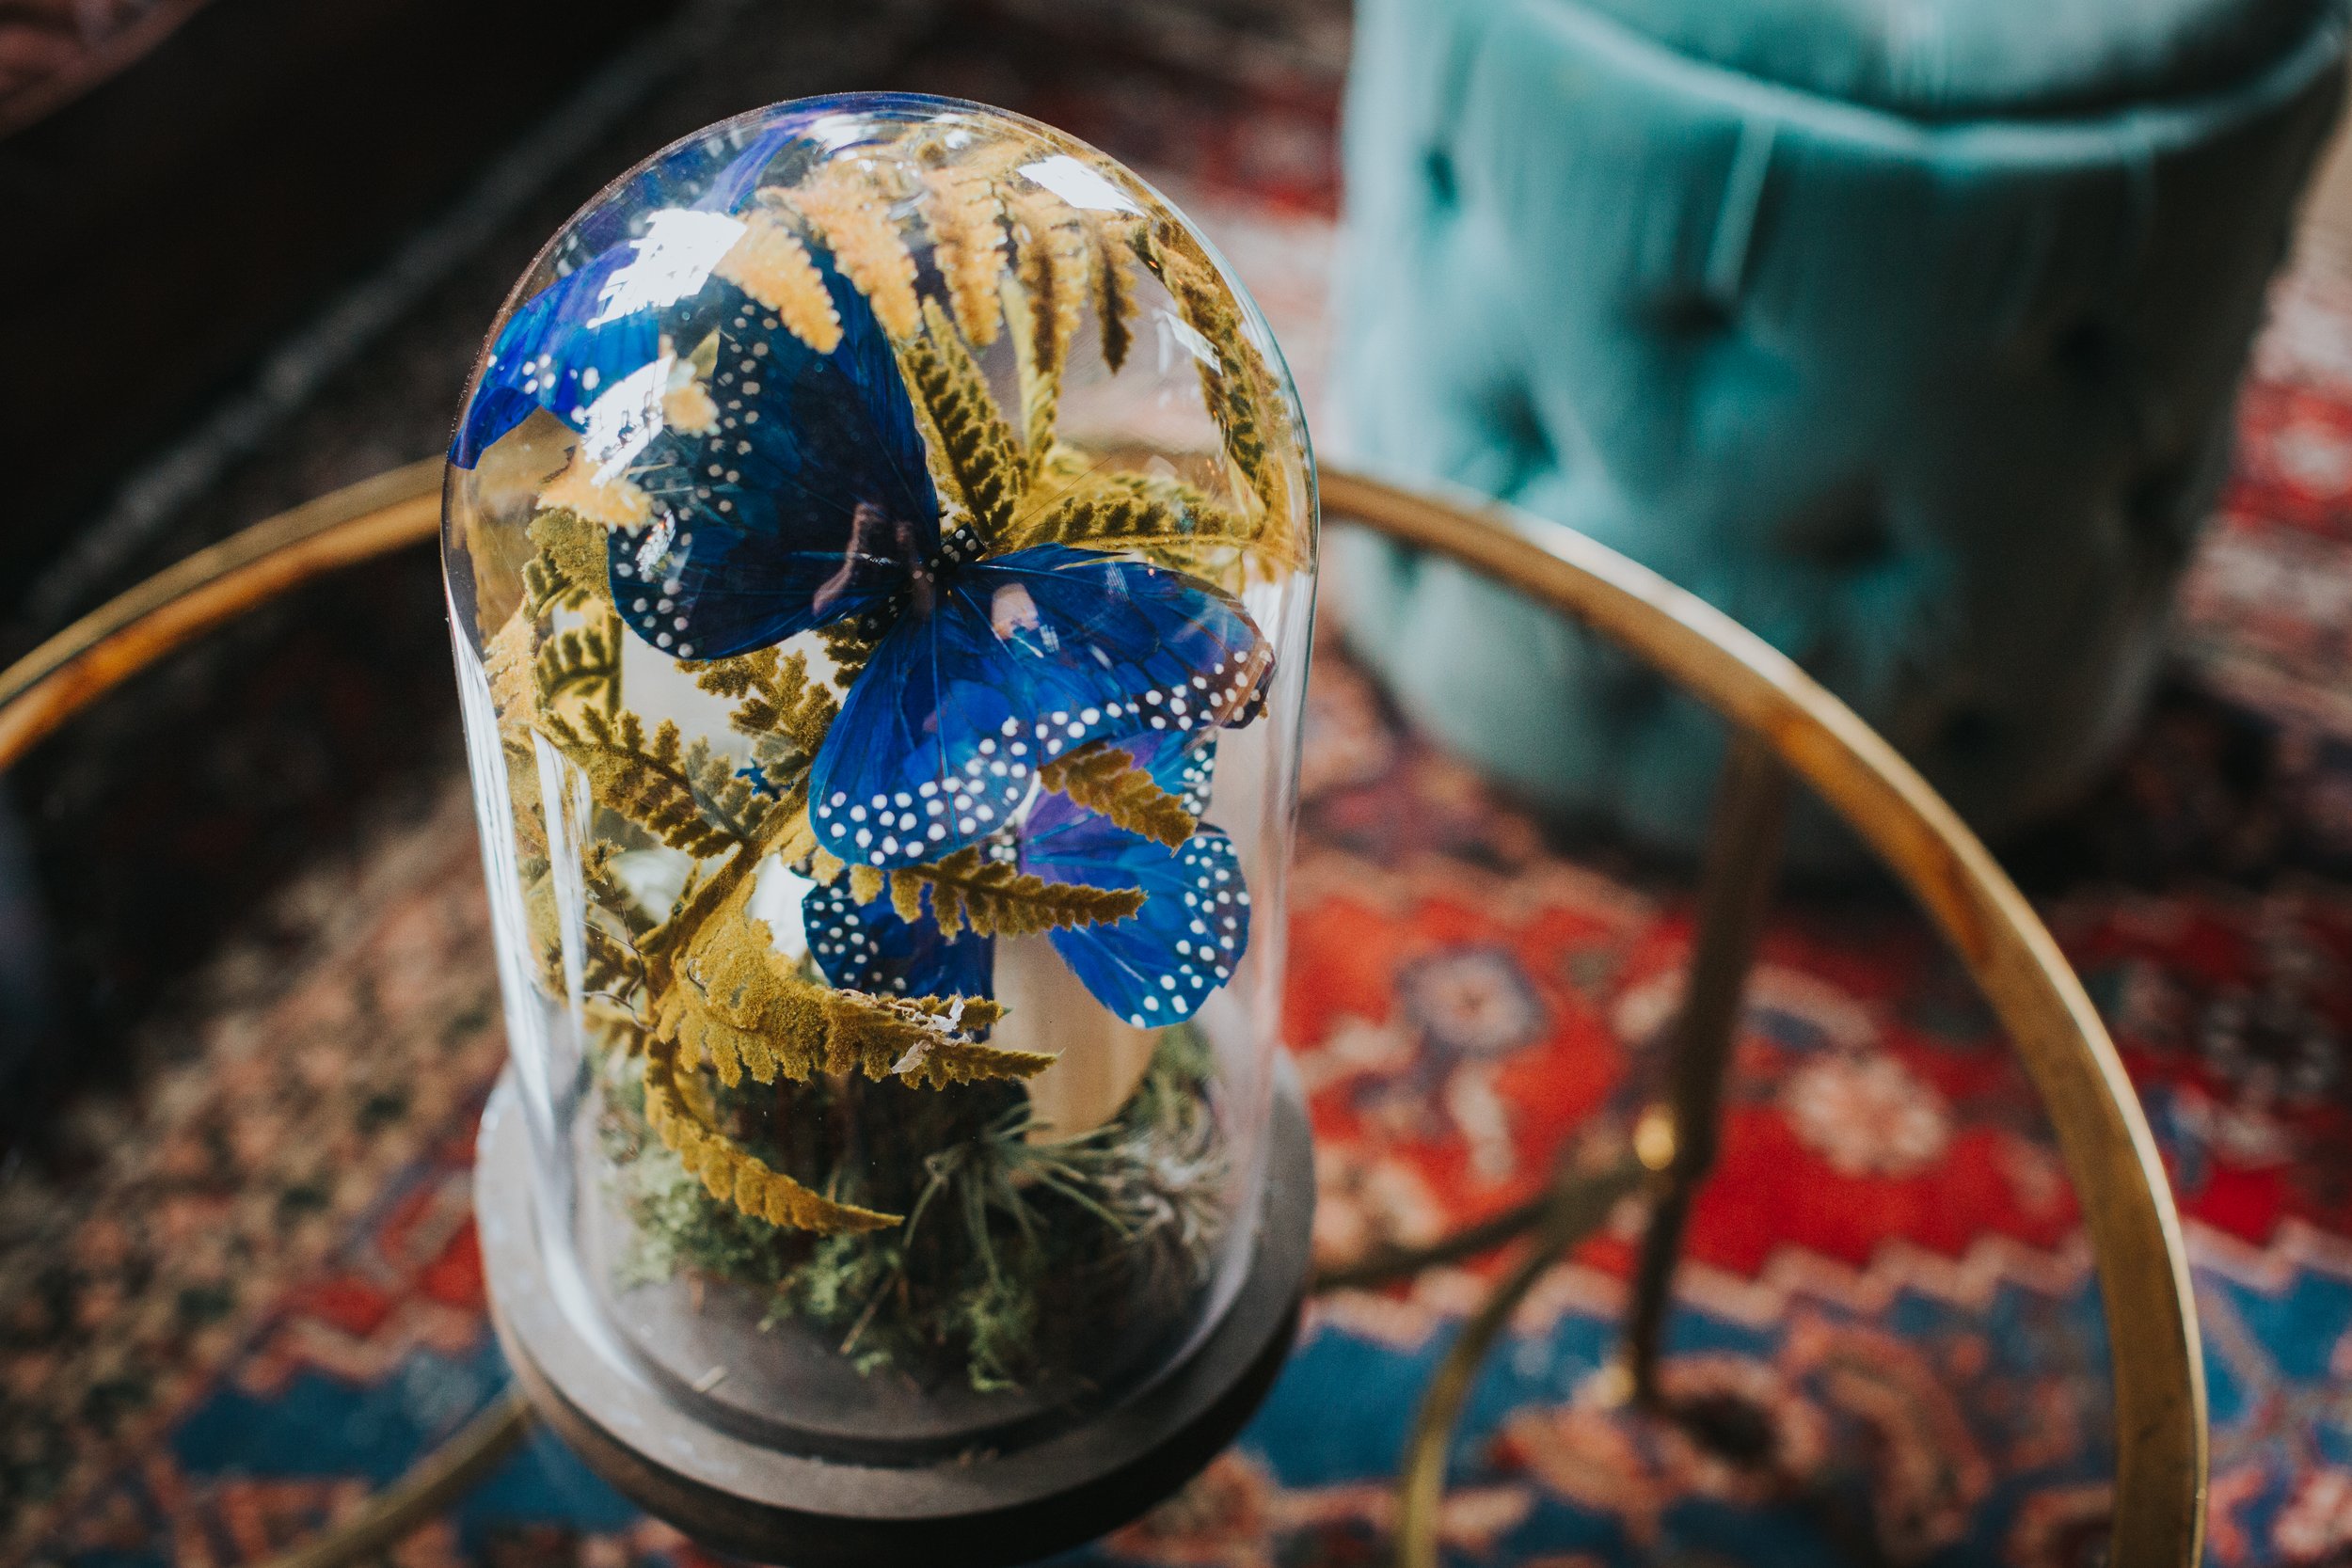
x=1785 y=726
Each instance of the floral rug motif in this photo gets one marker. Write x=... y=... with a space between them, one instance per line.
x=273 y=1305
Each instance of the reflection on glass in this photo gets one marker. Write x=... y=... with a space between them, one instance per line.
x=887 y=677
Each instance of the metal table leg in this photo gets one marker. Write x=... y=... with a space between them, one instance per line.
x=1680 y=1134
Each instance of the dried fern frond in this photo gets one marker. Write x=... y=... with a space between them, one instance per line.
x=773 y=697
x=687 y=406
x=846 y=204
x=543 y=926
x=796 y=842
x=740 y=1006
x=582 y=664
x=612 y=898
x=1240 y=394
x=967 y=222
x=1054 y=264
x=849 y=644
x=1164 y=519
x=509 y=661
x=650 y=780
x=771 y=266
x=1104 y=779
x=569 y=568
x=732 y=1173
x=906 y=897
x=976 y=446
x=610 y=965
x=727 y=799
x=615 y=502
x=1114 y=289
x=998 y=899
x=951 y=1059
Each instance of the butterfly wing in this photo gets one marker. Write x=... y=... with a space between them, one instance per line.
x=554 y=353
x=868 y=948
x=1182 y=762
x=559 y=347
x=808 y=501
x=1157 y=966
x=1015 y=662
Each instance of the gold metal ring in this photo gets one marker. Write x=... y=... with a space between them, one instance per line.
x=2143 y=1272
x=216 y=584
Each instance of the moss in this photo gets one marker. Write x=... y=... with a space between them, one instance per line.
x=1015 y=1258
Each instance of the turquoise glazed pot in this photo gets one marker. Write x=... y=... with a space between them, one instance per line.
x=1907 y=335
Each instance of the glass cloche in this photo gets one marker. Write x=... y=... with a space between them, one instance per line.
x=881 y=540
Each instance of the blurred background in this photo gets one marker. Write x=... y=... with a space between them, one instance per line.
x=247 y=250
x=252 y=249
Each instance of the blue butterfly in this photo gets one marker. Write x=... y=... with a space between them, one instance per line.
x=868 y=948
x=809 y=501
x=1156 y=967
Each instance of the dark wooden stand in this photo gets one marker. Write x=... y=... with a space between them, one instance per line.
x=973 y=1510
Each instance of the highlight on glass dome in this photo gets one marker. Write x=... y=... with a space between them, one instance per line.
x=881 y=540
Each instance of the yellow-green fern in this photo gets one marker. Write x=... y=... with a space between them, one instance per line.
x=733 y=1174
x=972 y=440
x=997 y=899
x=1054 y=264
x=1104 y=779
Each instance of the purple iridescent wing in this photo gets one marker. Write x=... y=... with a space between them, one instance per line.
x=868 y=948
x=1010 y=663
x=807 y=502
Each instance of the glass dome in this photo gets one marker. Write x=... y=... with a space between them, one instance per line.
x=879 y=540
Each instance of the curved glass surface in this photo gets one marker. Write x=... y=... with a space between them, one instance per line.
x=879 y=539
